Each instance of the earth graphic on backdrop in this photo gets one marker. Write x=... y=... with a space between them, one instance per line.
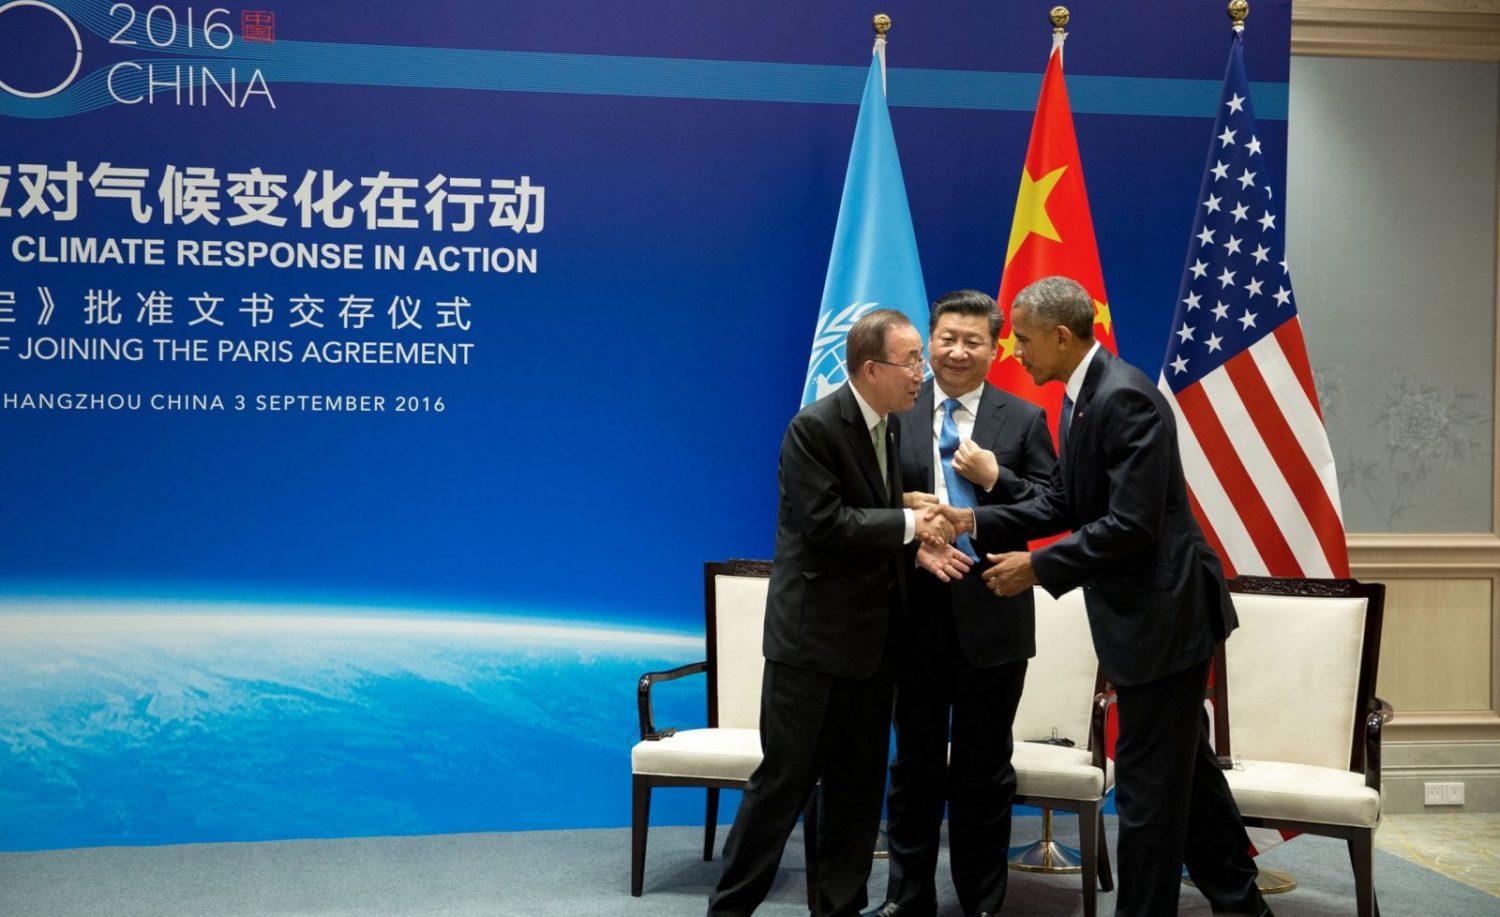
x=123 y=723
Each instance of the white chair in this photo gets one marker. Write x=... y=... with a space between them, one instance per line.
x=727 y=751
x=1062 y=698
x=1296 y=711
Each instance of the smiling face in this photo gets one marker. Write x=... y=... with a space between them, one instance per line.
x=961 y=352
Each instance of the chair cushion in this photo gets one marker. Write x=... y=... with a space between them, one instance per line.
x=1302 y=792
x=1059 y=771
x=717 y=754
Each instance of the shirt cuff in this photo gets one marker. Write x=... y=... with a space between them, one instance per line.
x=911 y=526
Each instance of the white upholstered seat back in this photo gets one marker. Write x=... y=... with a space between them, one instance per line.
x=1293 y=668
x=1060 y=679
x=739 y=619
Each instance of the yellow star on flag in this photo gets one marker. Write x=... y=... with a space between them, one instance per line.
x=1007 y=348
x=1031 y=210
x=1102 y=317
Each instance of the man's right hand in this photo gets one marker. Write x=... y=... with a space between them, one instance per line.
x=934 y=527
x=962 y=520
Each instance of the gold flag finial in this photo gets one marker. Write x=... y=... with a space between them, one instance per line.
x=1238 y=10
x=1059 y=17
x=881 y=24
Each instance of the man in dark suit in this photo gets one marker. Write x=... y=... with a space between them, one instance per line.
x=835 y=598
x=1156 y=600
x=964 y=650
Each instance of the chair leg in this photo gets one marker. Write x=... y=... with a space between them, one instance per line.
x=1106 y=876
x=1088 y=847
x=810 y=844
x=1362 y=858
x=710 y=823
x=640 y=816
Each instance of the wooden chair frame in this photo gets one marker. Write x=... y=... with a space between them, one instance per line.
x=1364 y=742
x=643 y=784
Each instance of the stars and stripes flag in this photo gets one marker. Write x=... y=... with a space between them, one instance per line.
x=874 y=262
x=1236 y=372
x=1052 y=232
x=1259 y=469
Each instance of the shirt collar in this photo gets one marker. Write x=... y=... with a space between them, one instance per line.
x=1075 y=381
x=969 y=399
x=871 y=418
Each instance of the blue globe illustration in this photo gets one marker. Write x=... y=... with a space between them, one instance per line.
x=122 y=723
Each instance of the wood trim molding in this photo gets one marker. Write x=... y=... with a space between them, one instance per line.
x=1443 y=726
x=1372 y=556
x=1412 y=29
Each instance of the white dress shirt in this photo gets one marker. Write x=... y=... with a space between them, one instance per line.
x=871 y=419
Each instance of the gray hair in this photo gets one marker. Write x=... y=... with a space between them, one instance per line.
x=1057 y=301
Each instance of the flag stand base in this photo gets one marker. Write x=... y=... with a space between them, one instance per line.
x=1046 y=855
x=1269 y=881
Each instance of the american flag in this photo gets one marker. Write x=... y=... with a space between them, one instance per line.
x=1259 y=469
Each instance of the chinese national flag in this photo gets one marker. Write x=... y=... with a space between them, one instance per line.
x=1051 y=233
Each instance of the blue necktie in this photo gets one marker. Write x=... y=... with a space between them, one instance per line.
x=1062 y=428
x=960 y=491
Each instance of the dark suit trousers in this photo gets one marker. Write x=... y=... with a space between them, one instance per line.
x=1175 y=807
x=812 y=726
x=978 y=784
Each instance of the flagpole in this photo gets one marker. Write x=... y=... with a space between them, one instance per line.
x=881 y=23
x=1046 y=855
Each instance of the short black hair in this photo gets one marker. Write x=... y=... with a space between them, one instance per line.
x=967 y=302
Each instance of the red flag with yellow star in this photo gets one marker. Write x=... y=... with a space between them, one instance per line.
x=1051 y=233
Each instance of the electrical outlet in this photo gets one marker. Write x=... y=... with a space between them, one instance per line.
x=1443 y=794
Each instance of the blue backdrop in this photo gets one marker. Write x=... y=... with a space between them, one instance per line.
x=228 y=611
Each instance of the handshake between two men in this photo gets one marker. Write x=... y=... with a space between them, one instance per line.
x=940 y=525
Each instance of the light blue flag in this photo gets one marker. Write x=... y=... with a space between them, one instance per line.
x=874 y=261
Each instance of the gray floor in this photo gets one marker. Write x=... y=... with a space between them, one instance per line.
x=539 y=874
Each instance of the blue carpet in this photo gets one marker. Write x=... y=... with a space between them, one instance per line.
x=545 y=873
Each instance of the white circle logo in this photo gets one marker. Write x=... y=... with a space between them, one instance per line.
x=77 y=50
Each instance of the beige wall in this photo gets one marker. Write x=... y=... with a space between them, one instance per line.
x=1440 y=659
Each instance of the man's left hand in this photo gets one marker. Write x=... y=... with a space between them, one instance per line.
x=1010 y=574
x=946 y=563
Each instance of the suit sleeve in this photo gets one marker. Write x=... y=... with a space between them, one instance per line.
x=1034 y=475
x=1135 y=443
x=815 y=461
x=1044 y=513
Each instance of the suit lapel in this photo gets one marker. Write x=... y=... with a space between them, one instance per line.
x=1078 y=431
x=990 y=417
x=864 y=448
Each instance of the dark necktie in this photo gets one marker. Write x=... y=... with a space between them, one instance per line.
x=1062 y=428
x=960 y=490
x=877 y=439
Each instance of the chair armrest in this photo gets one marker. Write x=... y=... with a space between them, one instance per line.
x=643 y=697
x=1097 y=718
x=1379 y=713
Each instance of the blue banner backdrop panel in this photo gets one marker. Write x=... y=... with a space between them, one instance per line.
x=374 y=379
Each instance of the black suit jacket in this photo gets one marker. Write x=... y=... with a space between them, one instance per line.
x=989 y=630
x=1155 y=591
x=837 y=579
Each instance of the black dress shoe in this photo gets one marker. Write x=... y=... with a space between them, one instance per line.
x=892 y=909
